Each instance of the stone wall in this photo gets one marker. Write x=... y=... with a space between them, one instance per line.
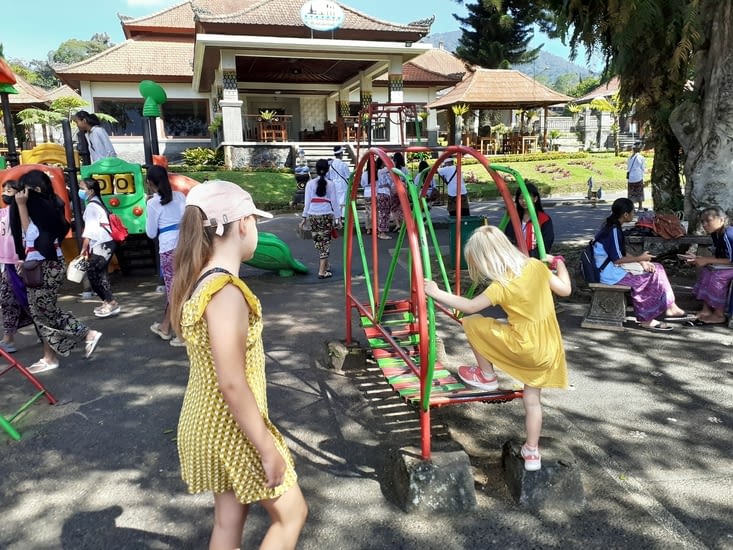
x=269 y=155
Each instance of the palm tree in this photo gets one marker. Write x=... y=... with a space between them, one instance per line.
x=611 y=106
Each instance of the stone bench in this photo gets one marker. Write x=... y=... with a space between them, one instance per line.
x=607 y=307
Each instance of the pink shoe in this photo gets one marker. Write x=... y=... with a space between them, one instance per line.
x=474 y=376
x=532 y=458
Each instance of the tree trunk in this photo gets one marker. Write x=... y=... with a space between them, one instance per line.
x=666 y=190
x=704 y=124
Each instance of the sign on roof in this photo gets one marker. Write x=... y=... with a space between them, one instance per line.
x=322 y=15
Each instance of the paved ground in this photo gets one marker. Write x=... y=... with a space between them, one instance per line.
x=648 y=416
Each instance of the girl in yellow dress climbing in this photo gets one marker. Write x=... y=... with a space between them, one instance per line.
x=226 y=442
x=528 y=344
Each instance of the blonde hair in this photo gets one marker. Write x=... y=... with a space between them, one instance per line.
x=195 y=246
x=491 y=256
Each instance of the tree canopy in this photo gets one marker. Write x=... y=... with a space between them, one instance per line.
x=496 y=33
x=75 y=50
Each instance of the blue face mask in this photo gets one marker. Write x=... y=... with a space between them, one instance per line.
x=82 y=194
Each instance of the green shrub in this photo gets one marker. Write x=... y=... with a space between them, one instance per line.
x=203 y=156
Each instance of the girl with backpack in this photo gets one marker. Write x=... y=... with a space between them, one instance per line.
x=98 y=246
x=651 y=294
x=545 y=222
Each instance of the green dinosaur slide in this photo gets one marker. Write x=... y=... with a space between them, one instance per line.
x=272 y=253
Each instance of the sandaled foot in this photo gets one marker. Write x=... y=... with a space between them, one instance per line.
x=325 y=275
x=155 y=329
x=657 y=327
x=91 y=344
x=107 y=310
x=42 y=366
x=532 y=458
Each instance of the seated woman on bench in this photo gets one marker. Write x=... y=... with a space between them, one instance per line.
x=651 y=293
x=714 y=280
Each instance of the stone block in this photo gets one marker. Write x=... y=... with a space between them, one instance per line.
x=557 y=486
x=442 y=484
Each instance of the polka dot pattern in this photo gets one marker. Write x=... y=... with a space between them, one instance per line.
x=215 y=454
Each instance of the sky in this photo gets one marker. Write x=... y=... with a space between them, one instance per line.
x=55 y=21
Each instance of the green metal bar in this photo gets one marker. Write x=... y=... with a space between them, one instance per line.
x=8 y=427
x=27 y=404
x=362 y=256
x=530 y=208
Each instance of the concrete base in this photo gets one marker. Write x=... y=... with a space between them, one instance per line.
x=556 y=486
x=443 y=484
x=343 y=357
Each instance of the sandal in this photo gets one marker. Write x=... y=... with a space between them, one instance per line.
x=680 y=318
x=384 y=237
x=91 y=345
x=326 y=275
x=659 y=327
x=42 y=366
x=155 y=329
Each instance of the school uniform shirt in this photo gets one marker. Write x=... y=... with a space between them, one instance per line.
x=100 y=146
x=161 y=216
x=449 y=173
x=96 y=224
x=384 y=182
x=723 y=244
x=321 y=206
x=609 y=244
x=339 y=174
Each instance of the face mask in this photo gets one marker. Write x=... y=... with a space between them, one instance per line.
x=82 y=194
x=8 y=199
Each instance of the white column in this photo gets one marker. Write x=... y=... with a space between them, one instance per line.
x=231 y=106
x=396 y=95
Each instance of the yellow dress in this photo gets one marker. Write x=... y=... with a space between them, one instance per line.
x=215 y=454
x=529 y=346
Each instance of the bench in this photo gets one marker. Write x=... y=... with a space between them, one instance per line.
x=607 y=307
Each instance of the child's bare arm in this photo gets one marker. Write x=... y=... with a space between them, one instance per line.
x=466 y=305
x=560 y=281
x=227 y=317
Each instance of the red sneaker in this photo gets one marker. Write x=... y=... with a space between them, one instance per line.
x=474 y=376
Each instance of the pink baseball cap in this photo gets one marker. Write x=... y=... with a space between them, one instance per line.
x=223 y=202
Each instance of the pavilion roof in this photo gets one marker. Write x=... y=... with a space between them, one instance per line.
x=499 y=89
x=167 y=59
x=604 y=90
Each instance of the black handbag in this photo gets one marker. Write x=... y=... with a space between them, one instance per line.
x=32 y=274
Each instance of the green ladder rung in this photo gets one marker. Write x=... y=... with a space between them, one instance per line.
x=413 y=392
x=27 y=404
x=399 y=318
x=411 y=340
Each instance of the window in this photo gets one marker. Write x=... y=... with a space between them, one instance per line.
x=128 y=113
x=186 y=118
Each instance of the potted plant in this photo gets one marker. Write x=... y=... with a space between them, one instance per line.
x=267 y=115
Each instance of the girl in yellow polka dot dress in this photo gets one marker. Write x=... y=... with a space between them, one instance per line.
x=226 y=442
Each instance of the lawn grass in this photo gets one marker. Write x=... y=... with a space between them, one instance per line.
x=274 y=191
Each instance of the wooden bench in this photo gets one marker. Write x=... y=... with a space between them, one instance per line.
x=607 y=307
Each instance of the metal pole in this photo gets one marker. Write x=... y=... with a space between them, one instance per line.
x=154 y=135
x=72 y=181
x=12 y=156
x=82 y=145
x=147 y=144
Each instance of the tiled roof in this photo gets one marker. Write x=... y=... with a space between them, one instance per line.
x=62 y=91
x=415 y=75
x=440 y=61
x=137 y=57
x=28 y=94
x=500 y=88
x=179 y=16
x=604 y=90
x=287 y=13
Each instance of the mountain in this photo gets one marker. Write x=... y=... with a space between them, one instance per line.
x=547 y=68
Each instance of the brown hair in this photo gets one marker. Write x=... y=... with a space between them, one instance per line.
x=195 y=246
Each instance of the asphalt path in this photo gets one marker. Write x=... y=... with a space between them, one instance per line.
x=647 y=416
